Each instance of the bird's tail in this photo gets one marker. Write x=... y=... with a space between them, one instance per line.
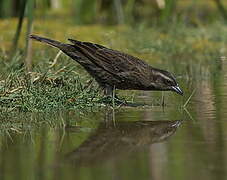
x=51 y=42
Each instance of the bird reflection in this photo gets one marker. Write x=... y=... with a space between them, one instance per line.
x=113 y=139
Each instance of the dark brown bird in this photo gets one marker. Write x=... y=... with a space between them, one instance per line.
x=114 y=69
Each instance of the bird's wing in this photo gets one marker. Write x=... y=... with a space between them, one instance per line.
x=112 y=61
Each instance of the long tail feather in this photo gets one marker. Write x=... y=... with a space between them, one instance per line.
x=51 y=42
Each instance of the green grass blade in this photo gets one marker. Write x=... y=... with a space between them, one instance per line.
x=189 y=98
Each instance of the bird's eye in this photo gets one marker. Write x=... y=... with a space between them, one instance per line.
x=168 y=82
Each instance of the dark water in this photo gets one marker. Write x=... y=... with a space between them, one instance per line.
x=148 y=142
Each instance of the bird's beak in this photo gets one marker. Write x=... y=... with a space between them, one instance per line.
x=177 y=90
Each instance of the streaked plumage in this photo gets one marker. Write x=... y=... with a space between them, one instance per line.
x=114 y=69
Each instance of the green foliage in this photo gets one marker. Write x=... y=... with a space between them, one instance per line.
x=85 y=11
x=5 y=8
x=167 y=11
x=128 y=11
x=47 y=91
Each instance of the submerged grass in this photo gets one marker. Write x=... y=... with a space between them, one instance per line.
x=28 y=123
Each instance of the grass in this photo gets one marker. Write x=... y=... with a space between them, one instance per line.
x=36 y=91
x=189 y=98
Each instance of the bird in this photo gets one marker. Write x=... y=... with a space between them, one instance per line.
x=113 y=69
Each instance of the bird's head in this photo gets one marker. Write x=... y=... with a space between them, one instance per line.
x=164 y=81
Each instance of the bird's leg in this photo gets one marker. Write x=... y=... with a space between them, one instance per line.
x=108 y=91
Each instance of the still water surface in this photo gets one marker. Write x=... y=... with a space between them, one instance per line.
x=128 y=143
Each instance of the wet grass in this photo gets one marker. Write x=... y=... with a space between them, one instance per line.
x=48 y=91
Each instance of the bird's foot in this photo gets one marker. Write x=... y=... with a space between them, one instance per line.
x=114 y=100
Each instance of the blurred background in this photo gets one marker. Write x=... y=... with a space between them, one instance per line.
x=117 y=11
x=110 y=12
